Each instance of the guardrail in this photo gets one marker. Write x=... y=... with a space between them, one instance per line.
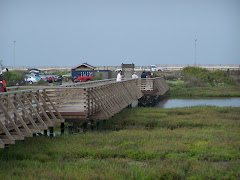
x=26 y=112
x=13 y=88
x=152 y=86
x=94 y=100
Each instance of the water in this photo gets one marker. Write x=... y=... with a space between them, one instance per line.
x=189 y=102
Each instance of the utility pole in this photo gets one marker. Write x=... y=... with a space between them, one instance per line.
x=195 y=62
x=14 y=44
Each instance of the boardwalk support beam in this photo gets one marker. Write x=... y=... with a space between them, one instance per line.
x=51 y=131
x=62 y=128
x=69 y=128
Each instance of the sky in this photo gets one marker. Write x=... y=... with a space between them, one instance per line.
x=112 y=32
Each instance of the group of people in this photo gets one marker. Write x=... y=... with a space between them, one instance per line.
x=146 y=75
x=134 y=76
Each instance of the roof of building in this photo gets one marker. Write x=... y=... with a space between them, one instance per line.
x=84 y=64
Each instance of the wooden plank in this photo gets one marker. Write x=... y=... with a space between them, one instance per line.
x=19 y=118
x=11 y=121
x=35 y=112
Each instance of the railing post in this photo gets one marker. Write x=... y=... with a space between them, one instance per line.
x=75 y=127
x=45 y=132
x=92 y=124
x=98 y=125
x=62 y=128
x=104 y=124
x=69 y=128
x=51 y=131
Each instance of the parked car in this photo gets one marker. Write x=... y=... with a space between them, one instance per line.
x=34 y=71
x=84 y=78
x=58 y=79
x=142 y=68
x=155 y=68
x=66 y=75
x=147 y=68
x=31 y=78
x=43 y=77
x=117 y=70
x=50 y=79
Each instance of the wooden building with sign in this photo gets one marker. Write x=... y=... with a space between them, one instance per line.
x=83 y=69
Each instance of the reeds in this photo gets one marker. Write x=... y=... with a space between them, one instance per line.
x=141 y=143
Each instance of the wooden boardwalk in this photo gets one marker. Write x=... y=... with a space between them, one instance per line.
x=24 y=113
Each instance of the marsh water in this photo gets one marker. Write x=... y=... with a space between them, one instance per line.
x=189 y=102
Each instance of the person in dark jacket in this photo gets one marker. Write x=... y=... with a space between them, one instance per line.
x=144 y=75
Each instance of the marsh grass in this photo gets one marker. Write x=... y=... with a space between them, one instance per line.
x=141 y=143
x=180 y=89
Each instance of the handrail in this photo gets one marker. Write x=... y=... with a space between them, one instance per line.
x=29 y=111
x=13 y=87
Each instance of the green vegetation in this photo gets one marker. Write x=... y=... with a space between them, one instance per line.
x=143 y=143
x=181 y=89
x=140 y=143
x=195 y=76
x=42 y=83
x=203 y=83
x=98 y=77
x=12 y=78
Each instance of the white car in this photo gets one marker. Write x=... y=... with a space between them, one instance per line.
x=117 y=70
x=67 y=75
x=142 y=68
x=155 y=68
x=31 y=78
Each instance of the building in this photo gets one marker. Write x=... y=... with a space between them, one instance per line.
x=83 y=69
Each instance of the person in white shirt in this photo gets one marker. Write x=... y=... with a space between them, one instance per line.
x=119 y=76
x=134 y=76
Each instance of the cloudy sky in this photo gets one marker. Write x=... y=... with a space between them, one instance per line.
x=111 y=32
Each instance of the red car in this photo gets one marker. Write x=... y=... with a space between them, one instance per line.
x=84 y=78
x=50 y=79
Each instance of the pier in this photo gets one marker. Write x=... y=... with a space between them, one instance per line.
x=25 y=113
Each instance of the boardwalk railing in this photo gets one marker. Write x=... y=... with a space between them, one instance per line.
x=26 y=112
x=100 y=101
x=23 y=113
x=153 y=86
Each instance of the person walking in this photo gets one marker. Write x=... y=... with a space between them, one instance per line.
x=119 y=76
x=144 y=75
x=134 y=76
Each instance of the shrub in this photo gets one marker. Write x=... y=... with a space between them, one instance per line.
x=42 y=83
x=12 y=78
x=99 y=77
x=196 y=76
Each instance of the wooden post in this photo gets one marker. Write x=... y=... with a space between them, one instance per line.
x=98 y=125
x=75 y=127
x=69 y=128
x=92 y=124
x=62 y=128
x=15 y=105
x=104 y=124
x=84 y=127
x=6 y=147
x=51 y=131
x=45 y=132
